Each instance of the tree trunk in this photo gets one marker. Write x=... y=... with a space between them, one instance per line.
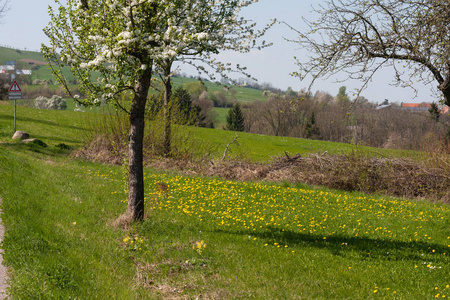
x=135 y=148
x=444 y=85
x=167 y=113
x=446 y=92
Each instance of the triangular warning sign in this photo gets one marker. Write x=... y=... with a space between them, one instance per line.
x=15 y=87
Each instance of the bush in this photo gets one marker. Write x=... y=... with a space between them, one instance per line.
x=40 y=102
x=55 y=102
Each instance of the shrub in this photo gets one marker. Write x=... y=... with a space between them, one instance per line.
x=55 y=102
x=40 y=102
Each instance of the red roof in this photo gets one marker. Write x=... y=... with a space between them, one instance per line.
x=423 y=104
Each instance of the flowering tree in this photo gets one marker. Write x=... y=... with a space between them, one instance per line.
x=217 y=28
x=123 y=42
x=358 y=37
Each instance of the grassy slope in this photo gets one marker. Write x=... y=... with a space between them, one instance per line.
x=52 y=127
x=220 y=119
x=220 y=239
x=243 y=94
x=259 y=240
x=68 y=127
x=38 y=71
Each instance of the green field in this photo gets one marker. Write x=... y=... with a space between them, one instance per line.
x=43 y=72
x=69 y=127
x=39 y=71
x=220 y=117
x=205 y=237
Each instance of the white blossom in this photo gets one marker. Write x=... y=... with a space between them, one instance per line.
x=202 y=36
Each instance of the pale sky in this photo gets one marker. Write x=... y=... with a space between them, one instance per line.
x=22 y=28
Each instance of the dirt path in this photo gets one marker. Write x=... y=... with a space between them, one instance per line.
x=3 y=271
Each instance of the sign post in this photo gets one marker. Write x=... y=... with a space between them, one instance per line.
x=15 y=93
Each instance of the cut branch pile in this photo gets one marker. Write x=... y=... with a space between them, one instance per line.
x=384 y=176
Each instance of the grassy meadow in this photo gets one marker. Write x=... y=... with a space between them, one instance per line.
x=204 y=238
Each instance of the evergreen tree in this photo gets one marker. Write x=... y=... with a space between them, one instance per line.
x=187 y=113
x=434 y=111
x=235 y=118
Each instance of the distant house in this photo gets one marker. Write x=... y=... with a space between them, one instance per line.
x=383 y=105
x=416 y=106
x=422 y=107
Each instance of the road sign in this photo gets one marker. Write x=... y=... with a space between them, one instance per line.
x=7 y=67
x=15 y=87
x=14 y=95
x=23 y=72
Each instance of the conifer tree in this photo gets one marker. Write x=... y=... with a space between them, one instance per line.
x=235 y=118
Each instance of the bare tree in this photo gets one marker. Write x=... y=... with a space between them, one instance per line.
x=359 y=37
x=3 y=8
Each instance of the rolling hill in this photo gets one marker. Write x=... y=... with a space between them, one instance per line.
x=36 y=62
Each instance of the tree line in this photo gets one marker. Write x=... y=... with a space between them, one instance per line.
x=322 y=116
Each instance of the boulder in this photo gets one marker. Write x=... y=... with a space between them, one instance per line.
x=22 y=135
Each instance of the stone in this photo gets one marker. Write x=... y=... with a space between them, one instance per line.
x=22 y=135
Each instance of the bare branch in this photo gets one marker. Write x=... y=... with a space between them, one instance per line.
x=357 y=37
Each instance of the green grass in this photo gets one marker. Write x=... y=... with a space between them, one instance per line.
x=7 y=54
x=264 y=148
x=220 y=239
x=71 y=128
x=279 y=242
x=220 y=117
x=243 y=94
x=57 y=243
x=51 y=126
x=205 y=236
